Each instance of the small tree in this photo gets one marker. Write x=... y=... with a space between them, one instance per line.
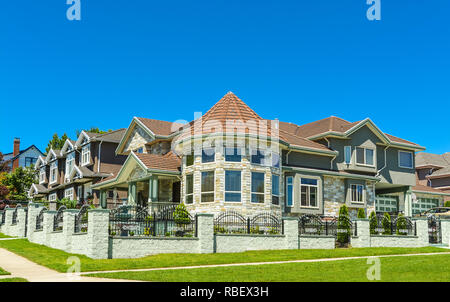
x=386 y=222
x=447 y=203
x=343 y=235
x=19 y=182
x=181 y=215
x=361 y=213
x=401 y=225
x=373 y=224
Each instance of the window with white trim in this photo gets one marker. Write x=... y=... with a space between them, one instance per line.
x=365 y=156
x=52 y=197
x=348 y=154
x=70 y=163
x=42 y=174
x=275 y=189
x=309 y=188
x=357 y=193
x=405 y=159
x=207 y=186
x=86 y=155
x=232 y=186
x=257 y=187
x=68 y=193
x=189 y=193
x=289 y=191
x=53 y=171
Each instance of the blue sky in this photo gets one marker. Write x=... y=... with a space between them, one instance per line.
x=297 y=60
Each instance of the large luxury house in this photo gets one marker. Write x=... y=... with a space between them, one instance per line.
x=232 y=159
x=71 y=172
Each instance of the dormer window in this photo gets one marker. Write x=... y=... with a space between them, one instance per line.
x=86 y=155
x=365 y=156
x=70 y=163
x=53 y=171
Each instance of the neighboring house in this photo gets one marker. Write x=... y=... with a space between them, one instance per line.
x=21 y=158
x=433 y=176
x=71 y=172
x=232 y=159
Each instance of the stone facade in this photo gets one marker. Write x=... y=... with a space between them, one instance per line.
x=333 y=195
x=138 y=139
x=219 y=166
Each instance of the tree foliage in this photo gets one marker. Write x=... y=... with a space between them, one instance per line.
x=343 y=235
x=92 y=130
x=373 y=223
x=4 y=167
x=361 y=213
x=18 y=182
x=386 y=222
x=56 y=142
x=401 y=225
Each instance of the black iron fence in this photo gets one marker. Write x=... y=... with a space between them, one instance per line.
x=81 y=220
x=387 y=225
x=434 y=229
x=40 y=219
x=59 y=219
x=231 y=222
x=139 y=221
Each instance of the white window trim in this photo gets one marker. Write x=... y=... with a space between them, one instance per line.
x=66 y=194
x=258 y=193
x=68 y=162
x=56 y=172
x=286 y=193
x=365 y=165
x=42 y=175
x=309 y=191
x=208 y=192
x=351 y=153
x=185 y=189
x=362 y=194
x=84 y=153
x=412 y=159
x=240 y=191
x=52 y=197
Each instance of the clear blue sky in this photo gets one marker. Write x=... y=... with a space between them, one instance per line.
x=295 y=60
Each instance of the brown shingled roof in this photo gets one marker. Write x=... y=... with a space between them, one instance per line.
x=167 y=162
x=423 y=188
x=158 y=127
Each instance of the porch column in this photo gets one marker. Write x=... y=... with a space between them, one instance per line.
x=153 y=189
x=103 y=203
x=132 y=194
x=408 y=202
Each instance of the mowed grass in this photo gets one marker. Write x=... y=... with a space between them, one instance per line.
x=14 y=280
x=3 y=272
x=4 y=236
x=434 y=268
x=57 y=259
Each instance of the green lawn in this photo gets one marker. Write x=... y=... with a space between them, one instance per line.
x=3 y=272
x=4 y=236
x=56 y=259
x=14 y=280
x=433 y=268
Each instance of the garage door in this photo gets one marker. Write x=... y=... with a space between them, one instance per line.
x=386 y=203
x=424 y=204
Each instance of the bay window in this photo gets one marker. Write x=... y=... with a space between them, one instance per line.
x=275 y=189
x=257 y=187
x=289 y=191
x=207 y=186
x=233 y=186
x=233 y=154
x=189 y=189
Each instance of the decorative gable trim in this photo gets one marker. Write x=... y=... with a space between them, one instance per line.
x=135 y=122
x=83 y=135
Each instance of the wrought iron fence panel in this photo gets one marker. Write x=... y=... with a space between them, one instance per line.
x=402 y=225
x=434 y=229
x=137 y=221
x=396 y=225
x=14 y=216
x=334 y=227
x=58 y=219
x=265 y=223
x=231 y=222
x=2 y=220
x=81 y=220
x=312 y=225
x=40 y=219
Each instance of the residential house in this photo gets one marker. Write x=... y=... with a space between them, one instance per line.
x=71 y=172
x=232 y=159
x=21 y=158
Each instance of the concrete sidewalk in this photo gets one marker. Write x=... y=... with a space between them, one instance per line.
x=20 y=267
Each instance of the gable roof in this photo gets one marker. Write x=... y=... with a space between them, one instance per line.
x=23 y=151
x=166 y=162
x=160 y=128
x=424 y=159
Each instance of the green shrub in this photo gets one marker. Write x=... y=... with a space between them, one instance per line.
x=343 y=235
x=361 y=213
x=181 y=215
x=70 y=204
x=447 y=203
x=386 y=222
x=401 y=225
x=373 y=224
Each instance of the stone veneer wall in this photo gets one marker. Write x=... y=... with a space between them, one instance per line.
x=138 y=138
x=245 y=207
x=333 y=195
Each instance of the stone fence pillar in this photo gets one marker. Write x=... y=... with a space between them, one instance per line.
x=422 y=230
x=362 y=238
x=8 y=230
x=98 y=233
x=445 y=229
x=290 y=225
x=48 y=226
x=33 y=211
x=69 y=227
x=205 y=233
x=21 y=222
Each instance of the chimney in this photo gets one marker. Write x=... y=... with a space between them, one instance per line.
x=16 y=152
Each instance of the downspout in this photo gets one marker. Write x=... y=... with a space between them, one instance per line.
x=287 y=157
x=385 y=161
x=99 y=156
